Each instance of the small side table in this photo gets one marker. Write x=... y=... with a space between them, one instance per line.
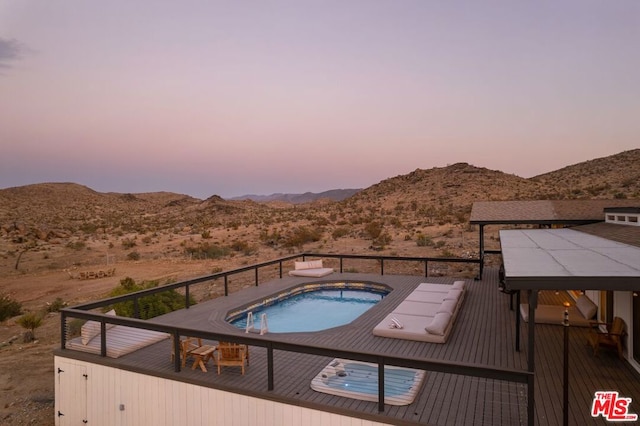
x=201 y=355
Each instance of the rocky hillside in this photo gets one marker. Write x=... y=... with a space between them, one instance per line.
x=453 y=188
x=406 y=203
x=616 y=176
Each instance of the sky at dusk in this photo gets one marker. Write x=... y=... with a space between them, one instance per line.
x=256 y=97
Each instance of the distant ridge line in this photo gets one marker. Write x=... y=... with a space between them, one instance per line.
x=307 y=197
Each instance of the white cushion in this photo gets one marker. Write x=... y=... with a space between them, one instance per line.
x=439 y=324
x=111 y=312
x=89 y=330
x=453 y=295
x=586 y=307
x=311 y=264
x=458 y=285
x=448 y=306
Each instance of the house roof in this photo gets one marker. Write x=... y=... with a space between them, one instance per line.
x=544 y=211
x=569 y=259
x=627 y=234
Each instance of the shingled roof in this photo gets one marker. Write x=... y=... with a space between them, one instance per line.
x=615 y=232
x=544 y=212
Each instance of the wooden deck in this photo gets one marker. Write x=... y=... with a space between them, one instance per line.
x=484 y=333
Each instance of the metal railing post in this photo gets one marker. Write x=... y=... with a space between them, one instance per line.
x=63 y=329
x=177 y=361
x=186 y=296
x=269 y=366
x=226 y=285
x=103 y=339
x=380 y=385
x=136 y=308
x=256 y=275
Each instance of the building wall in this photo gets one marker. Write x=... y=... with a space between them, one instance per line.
x=102 y=395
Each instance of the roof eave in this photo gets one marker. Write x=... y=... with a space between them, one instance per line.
x=616 y=283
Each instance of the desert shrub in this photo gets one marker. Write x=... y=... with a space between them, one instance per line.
x=206 y=250
x=234 y=224
x=619 y=196
x=89 y=228
x=206 y=234
x=395 y=222
x=9 y=307
x=269 y=239
x=30 y=321
x=148 y=306
x=339 y=232
x=134 y=255
x=147 y=239
x=76 y=245
x=321 y=221
x=302 y=235
x=424 y=241
x=373 y=229
x=128 y=243
x=382 y=240
x=56 y=305
x=244 y=247
x=447 y=253
x=74 y=327
x=440 y=244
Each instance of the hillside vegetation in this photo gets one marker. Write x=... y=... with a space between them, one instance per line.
x=424 y=212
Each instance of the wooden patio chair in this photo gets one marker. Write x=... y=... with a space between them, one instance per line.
x=187 y=345
x=607 y=334
x=231 y=355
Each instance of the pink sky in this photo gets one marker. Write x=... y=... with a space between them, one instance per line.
x=232 y=98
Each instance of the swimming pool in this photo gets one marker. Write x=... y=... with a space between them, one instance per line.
x=312 y=307
x=359 y=380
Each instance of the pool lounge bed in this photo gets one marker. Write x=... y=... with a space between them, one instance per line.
x=311 y=268
x=121 y=340
x=426 y=315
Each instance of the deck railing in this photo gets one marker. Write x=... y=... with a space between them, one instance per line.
x=271 y=343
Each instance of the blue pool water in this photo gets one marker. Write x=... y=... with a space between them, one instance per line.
x=314 y=310
x=363 y=378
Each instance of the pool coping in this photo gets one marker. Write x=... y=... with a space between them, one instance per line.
x=302 y=288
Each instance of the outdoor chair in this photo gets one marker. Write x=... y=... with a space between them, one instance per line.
x=231 y=355
x=187 y=345
x=607 y=334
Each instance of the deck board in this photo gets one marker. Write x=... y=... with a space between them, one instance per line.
x=484 y=334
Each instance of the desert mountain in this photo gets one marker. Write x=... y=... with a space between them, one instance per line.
x=307 y=197
x=616 y=176
x=439 y=194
